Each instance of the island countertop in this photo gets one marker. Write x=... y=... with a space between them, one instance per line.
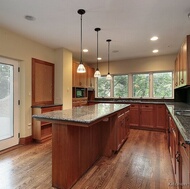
x=83 y=114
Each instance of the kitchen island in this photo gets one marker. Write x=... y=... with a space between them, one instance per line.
x=80 y=136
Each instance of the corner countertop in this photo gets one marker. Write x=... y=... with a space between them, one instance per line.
x=182 y=122
x=83 y=114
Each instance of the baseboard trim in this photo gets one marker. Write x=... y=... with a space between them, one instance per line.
x=26 y=140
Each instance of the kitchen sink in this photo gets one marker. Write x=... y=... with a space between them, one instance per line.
x=183 y=112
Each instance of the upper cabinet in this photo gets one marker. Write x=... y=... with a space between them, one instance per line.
x=182 y=64
x=83 y=79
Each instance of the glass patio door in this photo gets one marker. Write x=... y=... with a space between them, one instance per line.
x=9 y=116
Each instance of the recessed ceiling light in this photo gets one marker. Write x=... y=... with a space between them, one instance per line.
x=30 y=18
x=154 y=38
x=99 y=58
x=85 y=50
x=155 y=51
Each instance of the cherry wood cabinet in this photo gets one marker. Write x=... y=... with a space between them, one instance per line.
x=179 y=153
x=79 y=102
x=90 y=77
x=42 y=131
x=184 y=163
x=160 y=116
x=182 y=64
x=134 y=115
x=146 y=116
x=174 y=149
x=122 y=127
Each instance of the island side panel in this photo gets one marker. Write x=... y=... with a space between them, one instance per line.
x=65 y=155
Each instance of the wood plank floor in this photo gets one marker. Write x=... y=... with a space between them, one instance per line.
x=142 y=163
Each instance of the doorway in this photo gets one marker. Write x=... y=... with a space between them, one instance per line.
x=9 y=108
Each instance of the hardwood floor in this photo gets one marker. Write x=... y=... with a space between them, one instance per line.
x=142 y=163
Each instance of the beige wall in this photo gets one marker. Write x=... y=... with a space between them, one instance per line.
x=17 y=47
x=156 y=63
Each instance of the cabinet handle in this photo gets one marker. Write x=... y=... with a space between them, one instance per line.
x=177 y=157
x=183 y=144
x=182 y=81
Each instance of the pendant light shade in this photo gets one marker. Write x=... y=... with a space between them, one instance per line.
x=81 y=68
x=97 y=72
x=108 y=77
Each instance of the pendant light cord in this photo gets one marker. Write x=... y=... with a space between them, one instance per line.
x=108 y=40
x=81 y=41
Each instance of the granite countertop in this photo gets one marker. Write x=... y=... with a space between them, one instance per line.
x=182 y=122
x=83 y=114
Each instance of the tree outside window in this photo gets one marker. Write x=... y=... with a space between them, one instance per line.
x=141 y=85
x=162 y=85
x=121 y=86
x=104 y=87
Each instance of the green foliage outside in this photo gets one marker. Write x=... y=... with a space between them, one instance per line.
x=121 y=86
x=4 y=80
x=104 y=87
x=141 y=85
x=162 y=84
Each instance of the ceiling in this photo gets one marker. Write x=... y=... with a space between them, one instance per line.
x=128 y=23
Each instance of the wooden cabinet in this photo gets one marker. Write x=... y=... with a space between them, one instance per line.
x=146 y=115
x=90 y=77
x=134 y=115
x=122 y=127
x=179 y=153
x=174 y=149
x=160 y=116
x=80 y=102
x=182 y=64
x=184 y=163
x=41 y=130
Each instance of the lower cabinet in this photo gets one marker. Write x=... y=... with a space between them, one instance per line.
x=184 y=164
x=122 y=127
x=174 y=149
x=79 y=102
x=148 y=116
x=179 y=153
x=41 y=130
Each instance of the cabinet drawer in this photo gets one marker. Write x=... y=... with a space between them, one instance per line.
x=134 y=106
x=50 y=109
x=149 y=106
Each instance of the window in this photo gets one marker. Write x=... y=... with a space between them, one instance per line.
x=121 y=86
x=162 y=85
x=141 y=85
x=104 y=87
x=145 y=85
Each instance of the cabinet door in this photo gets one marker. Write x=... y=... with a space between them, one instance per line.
x=174 y=150
x=176 y=76
x=183 y=64
x=134 y=115
x=75 y=75
x=90 y=77
x=146 y=115
x=160 y=116
x=184 y=161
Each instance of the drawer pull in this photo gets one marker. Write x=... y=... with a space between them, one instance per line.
x=183 y=144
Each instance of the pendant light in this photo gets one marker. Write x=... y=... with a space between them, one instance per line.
x=97 y=72
x=108 y=77
x=81 y=68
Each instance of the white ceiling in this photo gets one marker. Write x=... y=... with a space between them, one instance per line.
x=129 y=23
